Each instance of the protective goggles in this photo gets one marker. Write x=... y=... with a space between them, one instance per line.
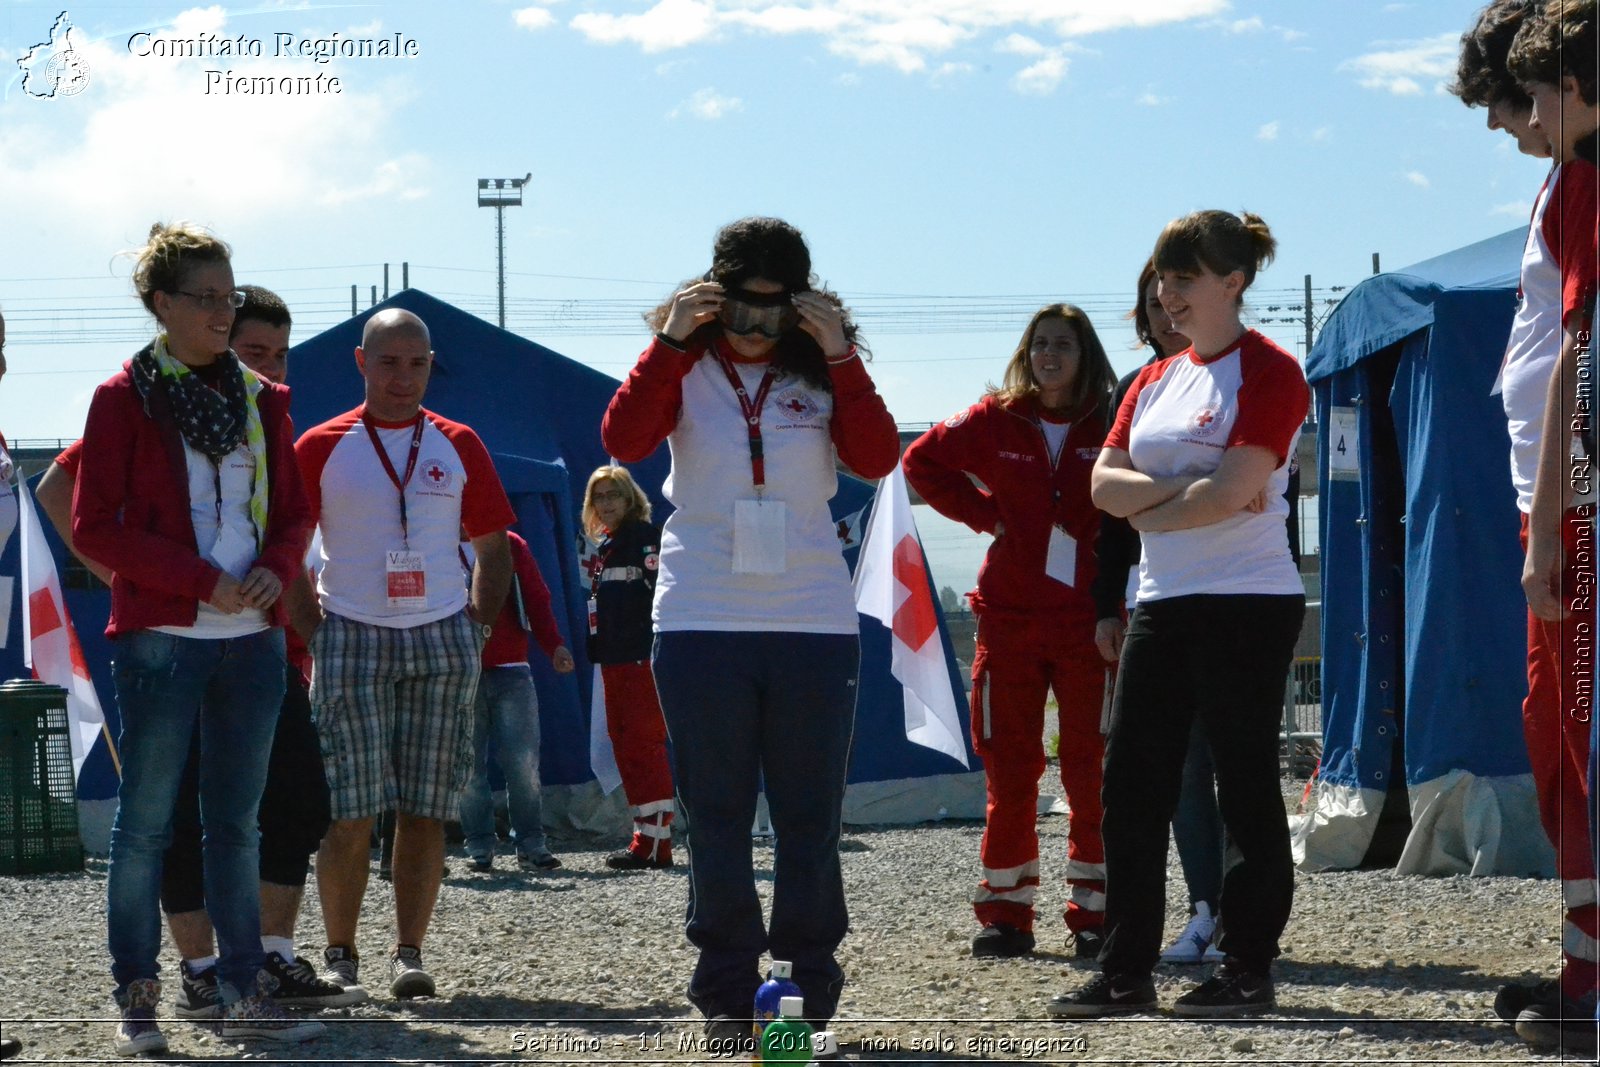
x=768 y=314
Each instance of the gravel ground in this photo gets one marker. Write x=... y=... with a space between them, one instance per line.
x=587 y=966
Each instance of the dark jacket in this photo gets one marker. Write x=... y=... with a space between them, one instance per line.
x=622 y=581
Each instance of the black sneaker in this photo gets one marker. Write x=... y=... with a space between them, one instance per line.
x=728 y=1036
x=407 y=977
x=1105 y=995
x=1086 y=944
x=198 y=997
x=626 y=859
x=1232 y=989
x=1512 y=999
x=297 y=985
x=1560 y=1023
x=999 y=941
x=9 y=1047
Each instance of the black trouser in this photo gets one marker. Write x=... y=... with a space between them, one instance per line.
x=293 y=814
x=1225 y=661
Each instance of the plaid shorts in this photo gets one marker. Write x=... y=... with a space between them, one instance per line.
x=394 y=709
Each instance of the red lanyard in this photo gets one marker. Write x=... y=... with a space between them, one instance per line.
x=388 y=467
x=752 y=417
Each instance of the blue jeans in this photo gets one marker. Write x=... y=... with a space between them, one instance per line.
x=1197 y=824
x=743 y=708
x=509 y=706
x=166 y=685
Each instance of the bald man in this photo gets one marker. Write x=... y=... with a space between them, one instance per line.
x=397 y=635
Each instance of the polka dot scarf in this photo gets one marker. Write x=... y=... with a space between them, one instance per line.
x=212 y=421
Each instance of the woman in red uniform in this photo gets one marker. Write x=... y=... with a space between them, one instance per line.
x=1198 y=463
x=1032 y=443
x=622 y=585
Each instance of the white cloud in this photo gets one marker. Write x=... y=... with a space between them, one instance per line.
x=907 y=37
x=1042 y=77
x=1419 y=179
x=1396 y=66
x=533 y=18
x=1019 y=45
x=1321 y=134
x=1150 y=98
x=1517 y=209
x=1249 y=25
x=707 y=104
x=1268 y=131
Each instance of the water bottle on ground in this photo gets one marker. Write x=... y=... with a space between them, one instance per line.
x=787 y=1039
x=777 y=986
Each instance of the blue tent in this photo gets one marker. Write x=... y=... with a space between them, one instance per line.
x=539 y=413
x=1423 y=619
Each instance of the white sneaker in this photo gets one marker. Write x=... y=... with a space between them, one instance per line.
x=1194 y=944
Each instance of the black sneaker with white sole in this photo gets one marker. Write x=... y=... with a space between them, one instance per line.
x=1106 y=994
x=1000 y=941
x=198 y=997
x=1232 y=989
x=1515 y=996
x=407 y=977
x=297 y=985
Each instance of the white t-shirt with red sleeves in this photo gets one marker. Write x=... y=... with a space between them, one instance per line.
x=1557 y=279
x=453 y=488
x=1179 y=418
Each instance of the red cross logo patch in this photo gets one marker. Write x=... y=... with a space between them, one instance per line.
x=1203 y=423
x=435 y=475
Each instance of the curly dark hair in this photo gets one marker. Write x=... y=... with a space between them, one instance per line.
x=771 y=249
x=1558 y=41
x=1482 y=76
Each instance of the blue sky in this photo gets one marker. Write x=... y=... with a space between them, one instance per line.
x=954 y=163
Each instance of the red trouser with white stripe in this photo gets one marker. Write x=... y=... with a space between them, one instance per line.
x=1556 y=725
x=1018 y=662
x=639 y=743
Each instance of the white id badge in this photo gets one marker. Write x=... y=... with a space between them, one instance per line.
x=233 y=552
x=758 y=537
x=594 y=615
x=407 y=582
x=1061 y=561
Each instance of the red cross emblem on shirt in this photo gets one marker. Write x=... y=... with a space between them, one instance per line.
x=1205 y=418
x=435 y=473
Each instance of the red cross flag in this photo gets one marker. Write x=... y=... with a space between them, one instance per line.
x=892 y=586
x=52 y=647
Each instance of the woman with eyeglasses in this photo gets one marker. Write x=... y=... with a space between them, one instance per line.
x=622 y=586
x=189 y=492
x=756 y=382
x=1032 y=443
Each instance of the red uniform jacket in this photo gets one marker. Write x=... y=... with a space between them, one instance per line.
x=1004 y=447
x=130 y=507
x=508 y=641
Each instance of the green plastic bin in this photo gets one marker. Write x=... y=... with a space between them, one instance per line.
x=38 y=797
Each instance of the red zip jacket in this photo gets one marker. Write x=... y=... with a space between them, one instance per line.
x=508 y=641
x=130 y=507
x=1005 y=448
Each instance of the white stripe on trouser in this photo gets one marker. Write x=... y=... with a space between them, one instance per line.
x=655 y=807
x=1088 y=899
x=653 y=821
x=1579 y=945
x=1003 y=884
x=650 y=829
x=1011 y=875
x=1021 y=895
x=1577 y=892
x=1078 y=871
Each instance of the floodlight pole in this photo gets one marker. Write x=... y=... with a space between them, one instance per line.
x=501 y=193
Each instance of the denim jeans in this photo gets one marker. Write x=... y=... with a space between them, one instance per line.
x=507 y=706
x=1197 y=824
x=743 y=709
x=232 y=688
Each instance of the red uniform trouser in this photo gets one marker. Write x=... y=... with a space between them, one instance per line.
x=1555 y=723
x=639 y=743
x=1018 y=661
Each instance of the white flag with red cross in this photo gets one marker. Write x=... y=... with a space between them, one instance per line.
x=893 y=586
x=52 y=648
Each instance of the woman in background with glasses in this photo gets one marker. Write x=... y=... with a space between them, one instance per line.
x=1032 y=442
x=189 y=492
x=756 y=382
x=622 y=585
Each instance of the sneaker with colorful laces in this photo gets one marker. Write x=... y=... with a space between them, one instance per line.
x=298 y=986
x=197 y=994
x=1232 y=989
x=407 y=977
x=259 y=1017
x=137 y=1031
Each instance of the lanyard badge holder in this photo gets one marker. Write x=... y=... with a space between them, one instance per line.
x=759 y=525
x=405 y=577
